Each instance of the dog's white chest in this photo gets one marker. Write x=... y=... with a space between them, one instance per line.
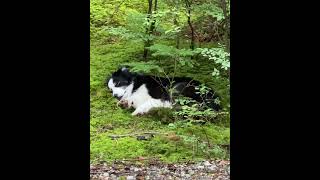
x=141 y=100
x=139 y=97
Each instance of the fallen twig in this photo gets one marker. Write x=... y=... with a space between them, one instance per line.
x=136 y=134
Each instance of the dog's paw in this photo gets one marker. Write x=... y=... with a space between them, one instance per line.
x=140 y=114
x=137 y=113
x=123 y=104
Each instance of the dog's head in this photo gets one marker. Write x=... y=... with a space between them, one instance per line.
x=119 y=81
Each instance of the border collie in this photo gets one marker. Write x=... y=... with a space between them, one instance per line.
x=144 y=92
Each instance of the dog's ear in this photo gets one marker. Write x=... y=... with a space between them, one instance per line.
x=124 y=69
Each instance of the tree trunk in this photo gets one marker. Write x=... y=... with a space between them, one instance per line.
x=154 y=21
x=150 y=29
x=188 y=6
x=176 y=23
x=147 y=43
x=226 y=35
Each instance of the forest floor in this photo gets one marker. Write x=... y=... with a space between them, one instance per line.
x=166 y=145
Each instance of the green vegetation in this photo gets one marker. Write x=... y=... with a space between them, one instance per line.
x=159 y=42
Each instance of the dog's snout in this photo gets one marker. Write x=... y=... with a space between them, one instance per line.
x=118 y=97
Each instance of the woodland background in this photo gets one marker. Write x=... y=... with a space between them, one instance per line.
x=166 y=38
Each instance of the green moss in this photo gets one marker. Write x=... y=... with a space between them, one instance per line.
x=103 y=148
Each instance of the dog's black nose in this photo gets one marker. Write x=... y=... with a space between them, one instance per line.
x=118 y=97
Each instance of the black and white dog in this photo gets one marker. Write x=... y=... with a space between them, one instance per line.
x=143 y=92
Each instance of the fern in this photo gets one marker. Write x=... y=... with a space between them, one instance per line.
x=144 y=67
x=170 y=51
x=163 y=50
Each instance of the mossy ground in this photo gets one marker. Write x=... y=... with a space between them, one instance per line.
x=108 y=119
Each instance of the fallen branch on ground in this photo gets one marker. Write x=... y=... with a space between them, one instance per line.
x=136 y=135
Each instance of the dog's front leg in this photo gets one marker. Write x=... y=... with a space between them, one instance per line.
x=148 y=105
x=138 y=111
x=142 y=109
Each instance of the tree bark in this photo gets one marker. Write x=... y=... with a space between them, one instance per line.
x=154 y=21
x=147 y=43
x=226 y=36
x=188 y=6
x=176 y=23
x=150 y=29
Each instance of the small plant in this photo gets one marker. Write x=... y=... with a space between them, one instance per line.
x=197 y=112
x=164 y=115
x=219 y=56
x=203 y=147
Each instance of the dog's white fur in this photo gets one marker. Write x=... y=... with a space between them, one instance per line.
x=140 y=100
x=116 y=91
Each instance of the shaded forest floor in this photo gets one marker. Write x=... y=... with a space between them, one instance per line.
x=167 y=144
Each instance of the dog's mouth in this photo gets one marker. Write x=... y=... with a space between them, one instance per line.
x=118 y=97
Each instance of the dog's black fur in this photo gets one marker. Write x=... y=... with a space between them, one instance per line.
x=158 y=86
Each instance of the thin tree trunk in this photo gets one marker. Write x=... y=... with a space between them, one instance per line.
x=154 y=21
x=147 y=43
x=178 y=36
x=176 y=23
x=188 y=5
x=226 y=36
